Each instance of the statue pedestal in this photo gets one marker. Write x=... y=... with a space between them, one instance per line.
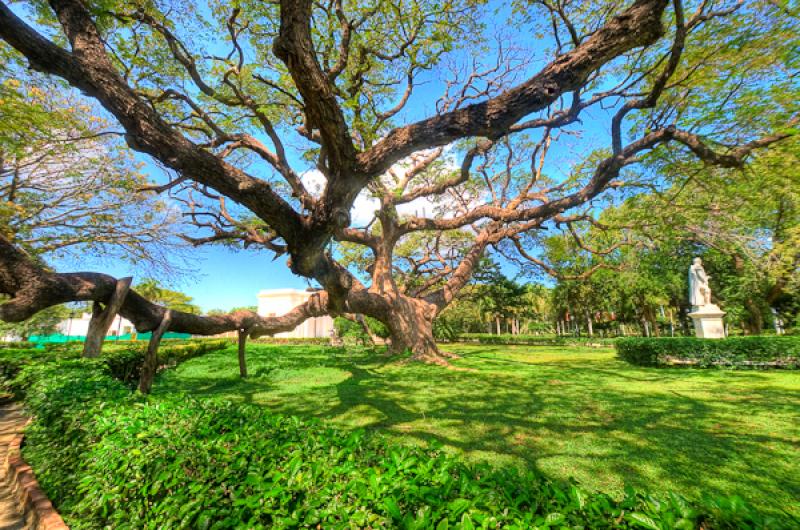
x=708 y=322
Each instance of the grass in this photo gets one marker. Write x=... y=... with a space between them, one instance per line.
x=568 y=412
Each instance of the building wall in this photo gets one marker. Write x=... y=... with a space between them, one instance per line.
x=277 y=302
x=79 y=326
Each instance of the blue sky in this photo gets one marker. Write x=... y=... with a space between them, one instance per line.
x=217 y=278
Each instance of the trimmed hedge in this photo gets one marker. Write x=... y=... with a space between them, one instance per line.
x=531 y=340
x=112 y=459
x=16 y=345
x=123 y=360
x=738 y=352
x=315 y=341
x=77 y=345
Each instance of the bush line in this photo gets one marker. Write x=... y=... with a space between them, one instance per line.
x=734 y=352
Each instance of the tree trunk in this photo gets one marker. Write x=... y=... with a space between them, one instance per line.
x=754 y=322
x=242 y=359
x=102 y=318
x=589 y=327
x=150 y=364
x=410 y=323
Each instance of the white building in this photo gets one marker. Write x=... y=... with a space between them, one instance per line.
x=276 y=302
x=79 y=326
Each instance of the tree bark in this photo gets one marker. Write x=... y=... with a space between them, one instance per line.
x=102 y=318
x=242 y=359
x=150 y=364
x=410 y=323
x=754 y=322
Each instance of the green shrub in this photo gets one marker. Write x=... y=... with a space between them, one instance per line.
x=109 y=458
x=13 y=359
x=346 y=328
x=123 y=360
x=16 y=345
x=763 y=351
x=531 y=340
x=315 y=341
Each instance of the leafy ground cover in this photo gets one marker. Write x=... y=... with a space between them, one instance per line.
x=112 y=458
x=565 y=411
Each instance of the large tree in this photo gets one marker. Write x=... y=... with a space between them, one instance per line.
x=227 y=95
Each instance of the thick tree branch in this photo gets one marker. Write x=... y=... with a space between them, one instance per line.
x=295 y=48
x=90 y=69
x=639 y=25
x=33 y=288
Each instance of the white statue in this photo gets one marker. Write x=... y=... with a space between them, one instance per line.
x=699 y=291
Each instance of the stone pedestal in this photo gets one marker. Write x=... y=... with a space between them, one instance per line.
x=708 y=322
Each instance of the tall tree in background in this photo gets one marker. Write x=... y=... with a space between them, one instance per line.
x=158 y=294
x=749 y=220
x=745 y=225
x=222 y=96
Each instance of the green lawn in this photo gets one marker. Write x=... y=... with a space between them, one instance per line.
x=569 y=412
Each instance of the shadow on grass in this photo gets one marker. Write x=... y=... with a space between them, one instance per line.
x=589 y=416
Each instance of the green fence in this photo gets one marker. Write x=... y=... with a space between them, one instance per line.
x=57 y=337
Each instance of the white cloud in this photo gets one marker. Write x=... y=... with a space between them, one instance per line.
x=365 y=205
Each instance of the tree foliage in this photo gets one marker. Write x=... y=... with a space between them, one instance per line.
x=68 y=189
x=154 y=291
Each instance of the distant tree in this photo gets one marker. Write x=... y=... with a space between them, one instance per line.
x=246 y=308
x=747 y=230
x=175 y=300
x=493 y=303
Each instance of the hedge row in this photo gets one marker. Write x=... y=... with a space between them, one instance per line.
x=16 y=345
x=125 y=363
x=742 y=352
x=123 y=360
x=112 y=459
x=531 y=340
x=77 y=345
x=315 y=341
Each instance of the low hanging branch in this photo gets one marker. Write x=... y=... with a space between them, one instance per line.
x=32 y=288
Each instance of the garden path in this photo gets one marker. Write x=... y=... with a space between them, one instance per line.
x=12 y=421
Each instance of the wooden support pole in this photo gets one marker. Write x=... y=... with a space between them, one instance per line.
x=242 y=359
x=102 y=318
x=151 y=357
